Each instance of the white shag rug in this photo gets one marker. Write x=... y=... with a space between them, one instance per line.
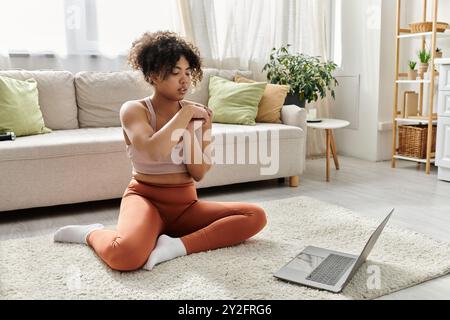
x=38 y=268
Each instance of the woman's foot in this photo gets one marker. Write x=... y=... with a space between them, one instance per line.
x=75 y=233
x=166 y=248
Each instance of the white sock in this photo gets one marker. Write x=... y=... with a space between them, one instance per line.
x=166 y=248
x=75 y=233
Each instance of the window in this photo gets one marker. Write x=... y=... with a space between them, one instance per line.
x=121 y=22
x=104 y=27
x=334 y=30
x=32 y=26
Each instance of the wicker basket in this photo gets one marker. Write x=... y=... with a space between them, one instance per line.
x=413 y=140
x=427 y=27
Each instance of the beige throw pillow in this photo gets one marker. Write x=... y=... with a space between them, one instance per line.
x=269 y=108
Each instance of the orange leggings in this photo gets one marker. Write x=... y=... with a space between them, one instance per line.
x=149 y=210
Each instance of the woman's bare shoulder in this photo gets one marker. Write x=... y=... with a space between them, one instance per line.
x=135 y=108
x=134 y=104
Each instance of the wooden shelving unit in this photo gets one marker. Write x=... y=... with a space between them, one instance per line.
x=403 y=34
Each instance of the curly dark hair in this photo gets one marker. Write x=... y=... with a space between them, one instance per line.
x=157 y=53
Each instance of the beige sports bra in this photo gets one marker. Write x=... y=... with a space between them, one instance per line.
x=174 y=163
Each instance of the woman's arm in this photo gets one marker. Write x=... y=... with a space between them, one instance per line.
x=199 y=165
x=157 y=145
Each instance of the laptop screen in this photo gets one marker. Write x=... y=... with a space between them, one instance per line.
x=368 y=247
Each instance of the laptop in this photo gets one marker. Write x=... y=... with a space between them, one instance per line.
x=327 y=269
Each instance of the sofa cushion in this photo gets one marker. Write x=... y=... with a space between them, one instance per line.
x=235 y=103
x=101 y=94
x=63 y=143
x=263 y=130
x=19 y=107
x=56 y=96
x=267 y=166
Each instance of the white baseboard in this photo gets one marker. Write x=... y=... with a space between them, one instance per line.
x=385 y=126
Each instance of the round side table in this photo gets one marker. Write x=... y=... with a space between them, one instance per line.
x=329 y=125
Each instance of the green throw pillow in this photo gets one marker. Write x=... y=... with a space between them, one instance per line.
x=235 y=103
x=19 y=107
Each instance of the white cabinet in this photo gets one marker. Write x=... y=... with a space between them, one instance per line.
x=443 y=127
x=442 y=140
x=444 y=103
x=444 y=78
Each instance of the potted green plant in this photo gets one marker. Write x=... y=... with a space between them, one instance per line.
x=438 y=53
x=412 y=73
x=307 y=77
x=424 y=58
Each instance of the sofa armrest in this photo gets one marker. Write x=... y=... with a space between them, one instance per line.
x=294 y=116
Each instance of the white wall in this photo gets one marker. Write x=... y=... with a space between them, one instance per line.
x=386 y=80
x=361 y=56
x=368 y=51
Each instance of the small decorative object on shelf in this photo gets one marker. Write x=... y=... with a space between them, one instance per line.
x=427 y=26
x=438 y=53
x=410 y=104
x=412 y=72
x=424 y=58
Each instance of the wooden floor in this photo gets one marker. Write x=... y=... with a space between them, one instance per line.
x=422 y=204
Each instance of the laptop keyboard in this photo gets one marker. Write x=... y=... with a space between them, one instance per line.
x=330 y=270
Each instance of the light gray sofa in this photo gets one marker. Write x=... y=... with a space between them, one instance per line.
x=84 y=158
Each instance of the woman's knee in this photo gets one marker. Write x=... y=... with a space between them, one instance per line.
x=126 y=257
x=259 y=218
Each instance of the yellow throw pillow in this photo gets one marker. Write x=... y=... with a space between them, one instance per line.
x=269 y=108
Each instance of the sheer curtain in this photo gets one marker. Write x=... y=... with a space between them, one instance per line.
x=198 y=25
x=22 y=28
x=239 y=34
x=108 y=27
x=120 y=22
x=48 y=33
